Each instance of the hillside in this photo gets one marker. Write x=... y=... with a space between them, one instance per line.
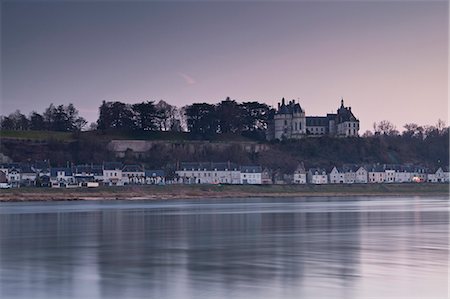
x=172 y=147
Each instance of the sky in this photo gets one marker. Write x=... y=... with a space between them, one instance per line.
x=387 y=59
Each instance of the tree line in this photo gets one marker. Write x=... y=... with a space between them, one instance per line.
x=200 y=119
x=203 y=119
x=61 y=118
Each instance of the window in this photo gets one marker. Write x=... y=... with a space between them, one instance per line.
x=299 y=125
x=295 y=124
x=285 y=122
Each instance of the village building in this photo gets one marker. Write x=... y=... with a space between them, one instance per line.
x=209 y=173
x=3 y=178
x=133 y=174
x=290 y=122
x=250 y=175
x=419 y=174
x=155 y=177
x=112 y=174
x=403 y=174
x=376 y=174
x=317 y=176
x=300 y=174
x=440 y=176
x=337 y=176
x=266 y=177
x=61 y=177
x=390 y=175
x=361 y=175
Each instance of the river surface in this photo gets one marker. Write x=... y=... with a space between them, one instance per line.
x=323 y=247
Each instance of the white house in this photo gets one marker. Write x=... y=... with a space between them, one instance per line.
x=337 y=176
x=376 y=174
x=250 y=175
x=361 y=175
x=155 y=177
x=403 y=174
x=133 y=174
x=300 y=175
x=389 y=175
x=317 y=176
x=419 y=174
x=440 y=176
x=112 y=174
x=209 y=173
x=61 y=177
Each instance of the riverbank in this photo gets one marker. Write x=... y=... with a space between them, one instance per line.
x=218 y=191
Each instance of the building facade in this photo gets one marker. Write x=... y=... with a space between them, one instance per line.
x=290 y=122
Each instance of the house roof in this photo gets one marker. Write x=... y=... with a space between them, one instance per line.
x=210 y=166
x=318 y=170
x=132 y=168
x=54 y=171
x=251 y=169
x=316 y=121
x=112 y=166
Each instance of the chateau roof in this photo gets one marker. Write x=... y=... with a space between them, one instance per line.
x=289 y=108
x=318 y=121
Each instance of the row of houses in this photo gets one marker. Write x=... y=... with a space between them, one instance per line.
x=372 y=174
x=230 y=173
x=107 y=174
x=219 y=173
x=118 y=174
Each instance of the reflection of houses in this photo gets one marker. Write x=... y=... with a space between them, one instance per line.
x=155 y=177
x=251 y=175
x=317 y=176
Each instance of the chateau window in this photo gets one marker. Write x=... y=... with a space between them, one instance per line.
x=295 y=124
x=300 y=126
x=285 y=122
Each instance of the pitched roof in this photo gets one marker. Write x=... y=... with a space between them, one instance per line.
x=112 y=166
x=251 y=169
x=133 y=168
x=209 y=166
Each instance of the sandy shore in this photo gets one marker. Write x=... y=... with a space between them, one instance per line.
x=218 y=191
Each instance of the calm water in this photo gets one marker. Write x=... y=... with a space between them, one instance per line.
x=229 y=248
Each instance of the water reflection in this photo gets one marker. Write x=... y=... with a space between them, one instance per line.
x=253 y=248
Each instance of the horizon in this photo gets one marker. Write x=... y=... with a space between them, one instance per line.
x=383 y=58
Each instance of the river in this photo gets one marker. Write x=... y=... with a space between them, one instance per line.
x=317 y=247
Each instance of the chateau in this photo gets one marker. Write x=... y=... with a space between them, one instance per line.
x=290 y=122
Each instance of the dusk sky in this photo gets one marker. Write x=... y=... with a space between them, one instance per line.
x=388 y=60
